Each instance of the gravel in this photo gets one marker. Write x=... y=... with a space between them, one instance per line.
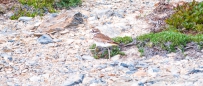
x=44 y=52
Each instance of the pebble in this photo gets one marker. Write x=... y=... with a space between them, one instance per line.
x=24 y=19
x=45 y=39
x=101 y=66
x=87 y=57
x=115 y=58
x=2 y=8
x=124 y=65
x=75 y=80
x=6 y=57
x=115 y=63
x=195 y=71
x=35 y=78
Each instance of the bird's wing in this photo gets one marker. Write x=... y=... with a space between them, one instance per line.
x=103 y=38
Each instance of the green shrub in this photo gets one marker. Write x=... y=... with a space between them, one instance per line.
x=188 y=17
x=39 y=4
x=31 y=8
x=184 y=26
x=123 y=40
x=175 y=38
x=68 y=3
x=160 y=39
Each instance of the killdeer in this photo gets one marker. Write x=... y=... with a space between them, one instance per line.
x=102 y=40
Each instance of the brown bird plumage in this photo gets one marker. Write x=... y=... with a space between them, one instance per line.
x=99 y=37
x=102 y=40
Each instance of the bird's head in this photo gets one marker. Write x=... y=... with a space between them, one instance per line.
x=95 y=31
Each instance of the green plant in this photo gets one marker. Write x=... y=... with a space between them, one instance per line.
x=31 y=8
x=38 y=3
x=93 y=46
x=160 y=39
x=184 y=26
x=188 y=17
x=24 y=12
x=68 y=3
x=169 y=39
x=141 y=50
x=124 y=40
x=100 y=52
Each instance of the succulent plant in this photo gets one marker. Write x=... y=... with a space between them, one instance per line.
x=188 y=17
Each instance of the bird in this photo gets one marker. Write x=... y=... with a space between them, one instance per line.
x=102 y=40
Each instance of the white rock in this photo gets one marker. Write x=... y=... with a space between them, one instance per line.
x=151 y=72
x=46 y=76
x=35 y=78
x=24 y=18
x=115 y=58
x=87 y=57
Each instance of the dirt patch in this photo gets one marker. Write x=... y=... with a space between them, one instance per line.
x=157 y=18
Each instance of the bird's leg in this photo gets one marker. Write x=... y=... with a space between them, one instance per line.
x=109 y=53
x=93 y=51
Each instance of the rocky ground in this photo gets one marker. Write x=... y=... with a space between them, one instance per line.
x=54 y=50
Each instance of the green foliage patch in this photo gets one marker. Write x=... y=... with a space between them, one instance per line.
x=68 y=3
x=160 y=39
x=169 y=39
x=32 y=8
x=99 y=52
x=122 y=40
x=188 y=17
x=184 y=26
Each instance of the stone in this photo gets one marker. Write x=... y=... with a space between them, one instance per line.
x=130 y=72
x=9 y=14
x=34 y=78
x=6 y=57
x=115 y=63
x=195 y=71
x=97 y=81
x=57 y=23
x=140 y=73
x=132 y=68
x=2 y=41
x=2 y=8
x=45 y=39
x=141 y=84
x=74 y=80
x=77 y=19
x=152 y=72
x=100 y=67
x=135 y=84
x=115 y=58
x=24 y=19
x=87 y=57
x=126 y=79
x=57 y=40
x=124 y=65
x=120 y=83
x=54 y=14
x=141 y=65
x=87 y=80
